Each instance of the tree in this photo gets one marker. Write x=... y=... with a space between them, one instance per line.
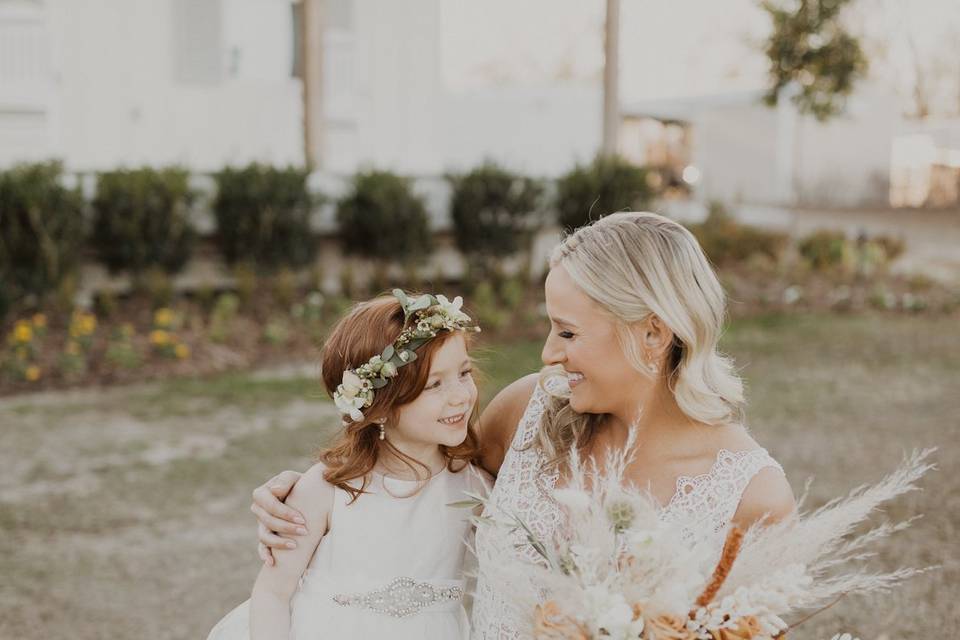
x=809 y=47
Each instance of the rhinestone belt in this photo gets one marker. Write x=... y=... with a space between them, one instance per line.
x=402 y=597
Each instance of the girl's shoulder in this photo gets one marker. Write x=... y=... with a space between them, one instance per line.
x=312 y=492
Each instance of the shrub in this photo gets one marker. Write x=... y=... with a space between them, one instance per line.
x=607 y=185
x=490 y=314
x=492 y=211
x=121 y=352
x=893 y=248
x=41 y=231
x=284 y=285
x=141 y=219
x=222 y=317
x=726 y=241
x=381 y=218
x=263 y=216
x=825 y=249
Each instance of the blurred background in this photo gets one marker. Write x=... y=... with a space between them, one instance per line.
x=192 y=191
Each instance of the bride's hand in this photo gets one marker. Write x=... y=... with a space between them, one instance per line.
x=276 y=520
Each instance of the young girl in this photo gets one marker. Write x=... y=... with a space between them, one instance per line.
x=382 y=554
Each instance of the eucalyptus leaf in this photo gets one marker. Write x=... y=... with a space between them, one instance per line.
x=421 y=303
x=464 y=504
x=378 y=383
x=388 y=353
x=416 y=343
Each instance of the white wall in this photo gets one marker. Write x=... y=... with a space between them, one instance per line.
x=742 y=149
x=118 y=98
x=542 y=131
x=205 y=83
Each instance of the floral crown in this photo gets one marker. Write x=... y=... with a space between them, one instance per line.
x=430 y=315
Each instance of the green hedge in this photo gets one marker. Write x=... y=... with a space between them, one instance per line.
x=263 y=216
x=726 y=241
x=141 y=219
x=607 y=185
x=41 y=230
x=382 y=218
x=492 y=210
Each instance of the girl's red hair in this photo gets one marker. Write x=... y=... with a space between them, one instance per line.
x=357 y=337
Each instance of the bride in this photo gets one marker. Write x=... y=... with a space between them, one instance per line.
x=636 y=313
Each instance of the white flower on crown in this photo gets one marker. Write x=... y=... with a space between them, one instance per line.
x=350 y=385
x=350 y=406
x=452 y=309
x=352 y=395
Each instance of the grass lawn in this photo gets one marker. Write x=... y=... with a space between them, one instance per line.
x=124 y=511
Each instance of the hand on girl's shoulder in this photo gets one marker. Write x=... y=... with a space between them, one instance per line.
x=499 y=420
x=313 y=496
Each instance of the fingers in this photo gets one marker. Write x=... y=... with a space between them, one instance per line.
x=281 y=484
x=272 y=541
x=265 y=554
x=264 y=498
x=275 y=524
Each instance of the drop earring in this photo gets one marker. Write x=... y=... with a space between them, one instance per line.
x=652 y=367
x=383 y=431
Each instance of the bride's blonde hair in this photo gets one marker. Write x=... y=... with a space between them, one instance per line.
x=634 y=264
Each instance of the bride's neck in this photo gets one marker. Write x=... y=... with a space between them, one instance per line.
x=649 y=412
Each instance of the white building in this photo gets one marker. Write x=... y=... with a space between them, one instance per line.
x=204 y=83
x=869 y=156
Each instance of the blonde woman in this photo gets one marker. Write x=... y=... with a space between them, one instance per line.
x=636 y=313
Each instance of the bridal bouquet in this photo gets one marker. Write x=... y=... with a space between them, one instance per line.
x=617 y=571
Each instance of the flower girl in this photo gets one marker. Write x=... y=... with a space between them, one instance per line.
x=383 y=554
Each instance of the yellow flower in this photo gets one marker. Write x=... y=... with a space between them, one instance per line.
x=23 y=332
x=39 y=320
x=182 y=351
x=163 y=317
x=32 y=373
x=88 y=323
x=159 y=337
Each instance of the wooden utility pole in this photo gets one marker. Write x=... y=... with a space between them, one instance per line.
x=611 y=79
x=311 y=55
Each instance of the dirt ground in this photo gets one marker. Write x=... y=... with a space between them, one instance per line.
x=124 y=511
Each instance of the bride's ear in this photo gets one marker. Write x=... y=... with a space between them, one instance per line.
x=655 y=336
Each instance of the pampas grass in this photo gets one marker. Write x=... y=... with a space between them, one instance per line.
x=618 y=571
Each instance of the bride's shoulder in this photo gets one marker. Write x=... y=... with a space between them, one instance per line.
x=767 y=495
x=498 y=422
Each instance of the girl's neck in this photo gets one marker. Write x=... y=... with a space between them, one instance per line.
x=391 y=464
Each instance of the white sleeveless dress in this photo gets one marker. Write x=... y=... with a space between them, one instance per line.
x=708 y=500
x=389 y=567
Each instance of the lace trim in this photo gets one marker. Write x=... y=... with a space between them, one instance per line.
x=521 y=490
x=712 y=498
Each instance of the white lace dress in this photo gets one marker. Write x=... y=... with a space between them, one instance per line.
x=707 y=500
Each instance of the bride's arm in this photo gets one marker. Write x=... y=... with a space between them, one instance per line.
x=768 y=498
x=270 y=602
x=499 y=419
